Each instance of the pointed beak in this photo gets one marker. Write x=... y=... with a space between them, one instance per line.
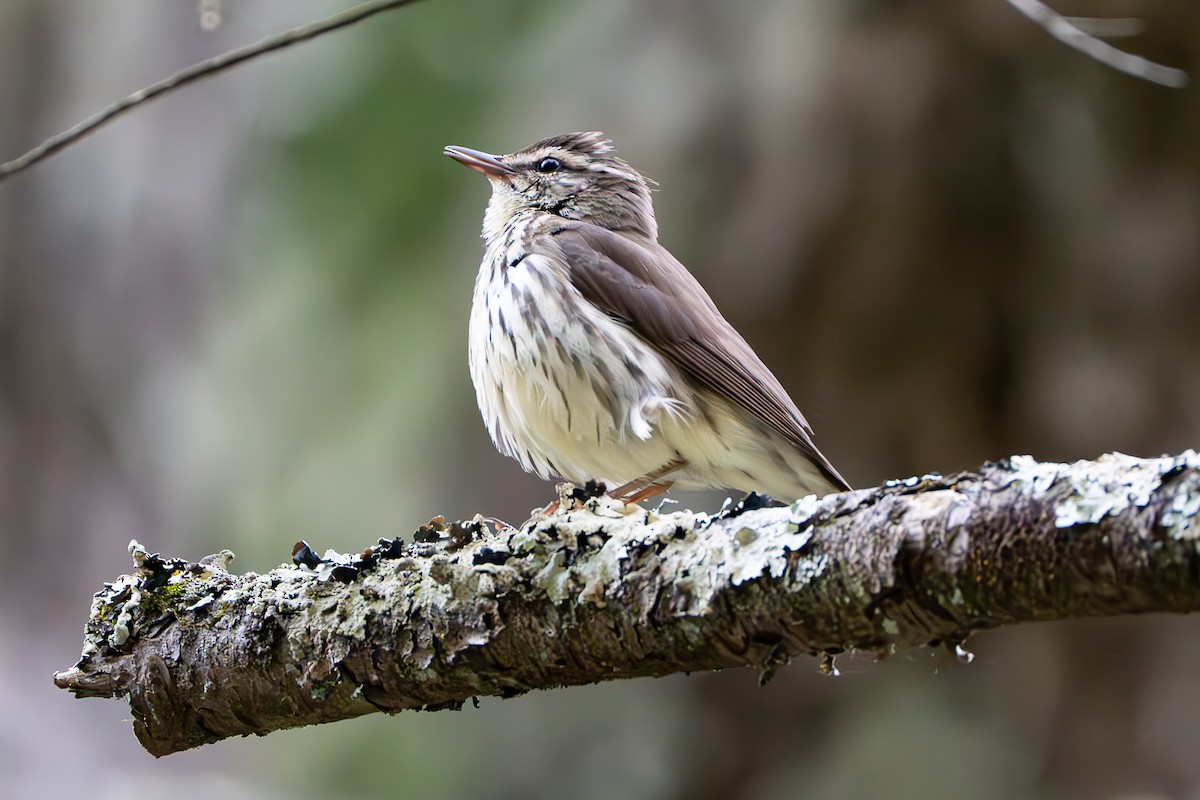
x=484 y=163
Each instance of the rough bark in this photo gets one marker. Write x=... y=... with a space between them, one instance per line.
x=602 y=592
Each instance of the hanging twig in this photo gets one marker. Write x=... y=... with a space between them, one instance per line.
x=1055 y=24
x=203 y=69
x=1071 y=35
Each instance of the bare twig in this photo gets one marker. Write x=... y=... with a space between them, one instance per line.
x=604 y=591
x=203 y=69
x=1109 y=27
x=1071 y=35
x=1055 y=24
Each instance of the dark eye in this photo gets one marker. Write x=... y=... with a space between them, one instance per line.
x=549 y=164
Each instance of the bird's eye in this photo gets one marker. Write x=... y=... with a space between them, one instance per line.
x=549 y=164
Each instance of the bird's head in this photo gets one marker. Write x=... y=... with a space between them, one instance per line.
x=573 y=175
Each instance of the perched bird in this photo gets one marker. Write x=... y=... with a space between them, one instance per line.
x=596 y=355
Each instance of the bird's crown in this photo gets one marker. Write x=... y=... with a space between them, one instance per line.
x=576 y=176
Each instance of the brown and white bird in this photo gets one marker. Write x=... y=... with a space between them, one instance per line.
x=596 y=355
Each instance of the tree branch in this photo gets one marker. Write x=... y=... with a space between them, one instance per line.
x=1070 y=34
x=203 y=69
x=604 y=592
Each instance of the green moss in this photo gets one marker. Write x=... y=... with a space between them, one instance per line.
x=164 y=598
x=323 y=690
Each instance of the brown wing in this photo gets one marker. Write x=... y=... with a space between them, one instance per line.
x=647 y=288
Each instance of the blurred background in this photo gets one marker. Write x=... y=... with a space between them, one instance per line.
x=237 y=318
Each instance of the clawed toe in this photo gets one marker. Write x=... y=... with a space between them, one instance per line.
x=653 y=490
x=649 y=485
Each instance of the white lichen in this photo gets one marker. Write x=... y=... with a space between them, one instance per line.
x=123 y=627
x=803 y=509
x=912 y=481
x=207 y=600
x=221 y=560
x=1112 y=484
x=767 y=553
x=1038 y=476
x=554 y=578
x=697 y=556
x=1180 y=516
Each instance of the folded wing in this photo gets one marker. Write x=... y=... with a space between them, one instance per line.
x=644 y=286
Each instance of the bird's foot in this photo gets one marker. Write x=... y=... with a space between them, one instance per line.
x=649 y=485
x=645 y=493
x=570 y=497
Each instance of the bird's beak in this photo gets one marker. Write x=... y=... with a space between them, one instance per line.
x=484 y=163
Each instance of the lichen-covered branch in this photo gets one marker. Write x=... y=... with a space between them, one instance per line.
x=599 y=591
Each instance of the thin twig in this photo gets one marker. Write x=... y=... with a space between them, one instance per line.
x=203 y=69
x=1053 y=23
x=1061 y=28
x=1109 y=27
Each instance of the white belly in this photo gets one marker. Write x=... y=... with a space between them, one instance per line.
x=572 y=395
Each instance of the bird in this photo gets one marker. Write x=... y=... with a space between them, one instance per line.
x=596 y=355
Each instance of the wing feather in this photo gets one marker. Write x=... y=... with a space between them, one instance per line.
x=643 y=285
